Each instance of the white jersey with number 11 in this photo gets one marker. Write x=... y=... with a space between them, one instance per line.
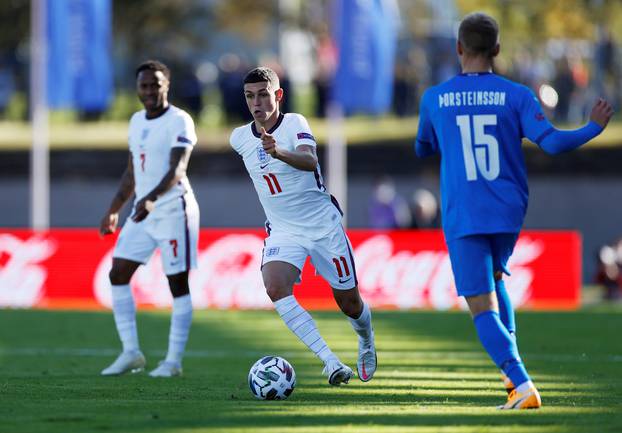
x=294 y=201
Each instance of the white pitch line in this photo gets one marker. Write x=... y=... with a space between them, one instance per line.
x=219 y=353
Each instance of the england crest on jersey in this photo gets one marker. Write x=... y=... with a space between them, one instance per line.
x=263 y=157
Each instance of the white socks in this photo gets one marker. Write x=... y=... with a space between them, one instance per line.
x=524 y=386
x=124 y=312
x=362 y=325
x=299 y=321
x=181 y=319
x=125 y=318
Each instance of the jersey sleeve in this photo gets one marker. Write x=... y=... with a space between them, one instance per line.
x=183 y=133
x=426 y=143
x=534 y=124
x=537 y=128
x=563 y=141
x=301 y=131
x=234 y=139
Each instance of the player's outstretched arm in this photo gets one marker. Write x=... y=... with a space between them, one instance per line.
x=110 y=220
x=557 y=141
x=178 y=164
x=303 y=158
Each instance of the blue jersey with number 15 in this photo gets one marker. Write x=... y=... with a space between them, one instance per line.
x=477 y=122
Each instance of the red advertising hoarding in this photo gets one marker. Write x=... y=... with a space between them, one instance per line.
x=68 y=268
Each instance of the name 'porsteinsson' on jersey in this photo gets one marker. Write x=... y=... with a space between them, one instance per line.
x=294 y=201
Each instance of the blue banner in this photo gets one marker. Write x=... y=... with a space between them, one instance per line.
x=79 y=54
x=365 y=32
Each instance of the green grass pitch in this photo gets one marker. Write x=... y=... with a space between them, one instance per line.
x=432 y=377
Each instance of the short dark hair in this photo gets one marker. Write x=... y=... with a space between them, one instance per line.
x=261 y=74
x=479 y=34
x=154 y=65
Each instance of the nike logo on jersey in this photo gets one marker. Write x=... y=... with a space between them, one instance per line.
x=263 y=166
x=344 y=281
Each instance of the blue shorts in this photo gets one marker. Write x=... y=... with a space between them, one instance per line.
x=476 y=258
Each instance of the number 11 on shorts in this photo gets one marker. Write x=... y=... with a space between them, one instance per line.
x=345 y=269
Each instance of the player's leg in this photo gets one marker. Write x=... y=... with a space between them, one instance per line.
x=178 y=241
x=133 y=248
x=506 y=310
x=123 y=307
x=472 y=264
x=332 y=257
x=502 y=248
x=282 y=262
x=181 y=320
x=359 y=315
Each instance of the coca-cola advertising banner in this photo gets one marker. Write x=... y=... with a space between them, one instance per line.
x=67 y=268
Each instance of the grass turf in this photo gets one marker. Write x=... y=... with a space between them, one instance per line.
x=433 y=376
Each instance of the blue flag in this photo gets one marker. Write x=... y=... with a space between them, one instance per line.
x=366 y=37
x=79 y=54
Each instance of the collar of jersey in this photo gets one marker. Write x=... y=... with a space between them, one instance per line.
x=159 y=115
x=474 y=74
x=271 y=130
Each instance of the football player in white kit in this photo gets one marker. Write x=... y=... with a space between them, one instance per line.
x=303 y=220
x=165 y=215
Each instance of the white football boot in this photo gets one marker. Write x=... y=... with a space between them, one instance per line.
x=367 y=361
x=166 y=369
x=337 y=372
x=131 y=360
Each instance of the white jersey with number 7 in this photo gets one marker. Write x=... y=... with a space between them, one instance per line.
x=151 y=141
x=295 y=201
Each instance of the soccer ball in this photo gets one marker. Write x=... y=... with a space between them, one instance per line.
x=272 y=378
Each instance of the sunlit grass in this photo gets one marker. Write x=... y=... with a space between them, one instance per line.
x=433 y=376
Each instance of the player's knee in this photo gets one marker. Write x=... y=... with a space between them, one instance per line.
x=277 y=290
x=119 y=276
x=481 y=303
x=178 y=290
x=178 y=284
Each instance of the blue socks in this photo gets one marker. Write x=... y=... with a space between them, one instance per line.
x=500 y=345
x=506 y=311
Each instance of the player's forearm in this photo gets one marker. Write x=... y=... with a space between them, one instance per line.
x=557 y=141
x=170 y=179
x=177 y=171
x=125 y=191
x=305 y=161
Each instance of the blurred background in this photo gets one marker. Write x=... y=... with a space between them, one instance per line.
x=568 y=51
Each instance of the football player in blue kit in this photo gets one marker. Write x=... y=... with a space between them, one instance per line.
x=477 y=121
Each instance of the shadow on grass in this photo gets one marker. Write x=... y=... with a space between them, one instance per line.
x=432 y=377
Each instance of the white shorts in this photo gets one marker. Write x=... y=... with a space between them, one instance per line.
x=331 y=255
x=174 y=229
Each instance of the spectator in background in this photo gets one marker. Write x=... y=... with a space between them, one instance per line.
x=387 y=209
x=565 y=85
x=232 y=71
x=326 y=58
x=405 y=96
x=424 y=210
x=188 y=91
x=7 y=88
x=609 y=274
x=606 y=74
